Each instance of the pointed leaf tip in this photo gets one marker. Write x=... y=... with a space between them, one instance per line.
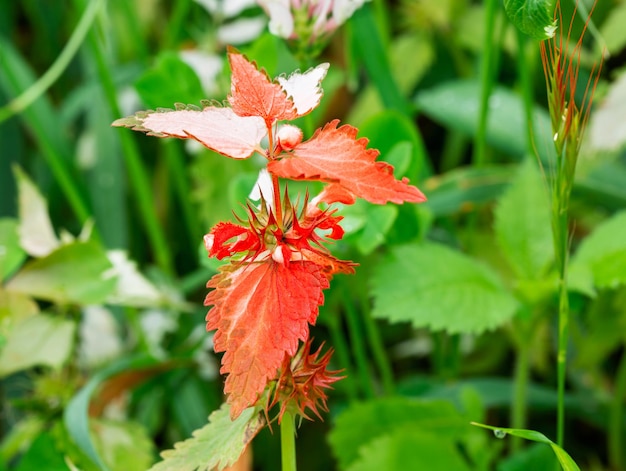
x=217 y=128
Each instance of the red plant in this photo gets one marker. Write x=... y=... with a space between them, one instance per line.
x=265 y=297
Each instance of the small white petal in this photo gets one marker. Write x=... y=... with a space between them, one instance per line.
x=263 y=187
x=305 y=89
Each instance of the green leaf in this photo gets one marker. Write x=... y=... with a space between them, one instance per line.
x=368 y=43
x=37 y=341
x=36 y=234
x=216 y=445
x=613 y=30
x=536 y=457
x=533 y=17
x=362 y=423
x=170 y=81
x=522 y=223
x=603 y=253
x=124 y=446
x=76 y=417
x=19 y=436
x=378 y=221
x=433 y=286
x=567 y=463
x=11 y=254
x=389 y=129
x=409 y=448
x=73 y=273
x=14 y=308
x=462 y=188
x=42 y=454
x=456 y=105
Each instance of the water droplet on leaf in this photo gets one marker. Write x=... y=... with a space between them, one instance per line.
x=499 y=433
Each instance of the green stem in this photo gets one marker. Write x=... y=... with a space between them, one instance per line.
x=56 y=69
x=378 y=351
x=616 y=418
x=525 y=77
x=136 y=170
x=479 y=157
x=340 y=344
x=181 y=8
x=562 y=358
x=288 y=442
x=176 y=166
x=358 y=349
x=519 y=407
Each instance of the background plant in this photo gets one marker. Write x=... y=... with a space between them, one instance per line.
x=450 y=316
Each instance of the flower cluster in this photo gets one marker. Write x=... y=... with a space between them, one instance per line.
x=264 y=299
x=307 y=24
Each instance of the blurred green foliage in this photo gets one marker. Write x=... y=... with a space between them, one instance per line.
x=451 y=317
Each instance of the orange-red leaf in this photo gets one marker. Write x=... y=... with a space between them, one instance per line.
x=261 y=311
x=335 y=155
x=252 y=93
x=219 y=129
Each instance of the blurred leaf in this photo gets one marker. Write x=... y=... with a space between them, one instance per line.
x=536 y=457
x=604 y=185
x=42 y=454
x=76 y=416
x=42 y=122
x=363 y=423
x=462 y=188
x=533 y=17
x=14 y=308
x=456 y=105
x=216 y=445
x=124 y=446
x=369 y=45
x=37 y=237
x=132 y=288
x=37 y=341
x=607 y=128
x=567 y=463
x=389 y=129
x=11 y=254
x=523 y=224
x=170 y=81
x=430 y=285
x=409 y=448
x=378 y=221
x=603 y=253
x=613 y=30
x=407 y=74
x=19 y=437
x=74 y=273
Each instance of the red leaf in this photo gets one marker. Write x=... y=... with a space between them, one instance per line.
x=335 y=155
x=261 y=311
x=252 y=93
x=219 y=129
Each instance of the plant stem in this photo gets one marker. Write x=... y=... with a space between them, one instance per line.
x=525 y=77
x=176 y=167
x=520 y=386
x=479 y=157
x=358 y=349
x=378 y=351
x=56 y=69
x=616 y=417
x=562 y=358
x=340 y=345
x=288 y=442
x=136 y=170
